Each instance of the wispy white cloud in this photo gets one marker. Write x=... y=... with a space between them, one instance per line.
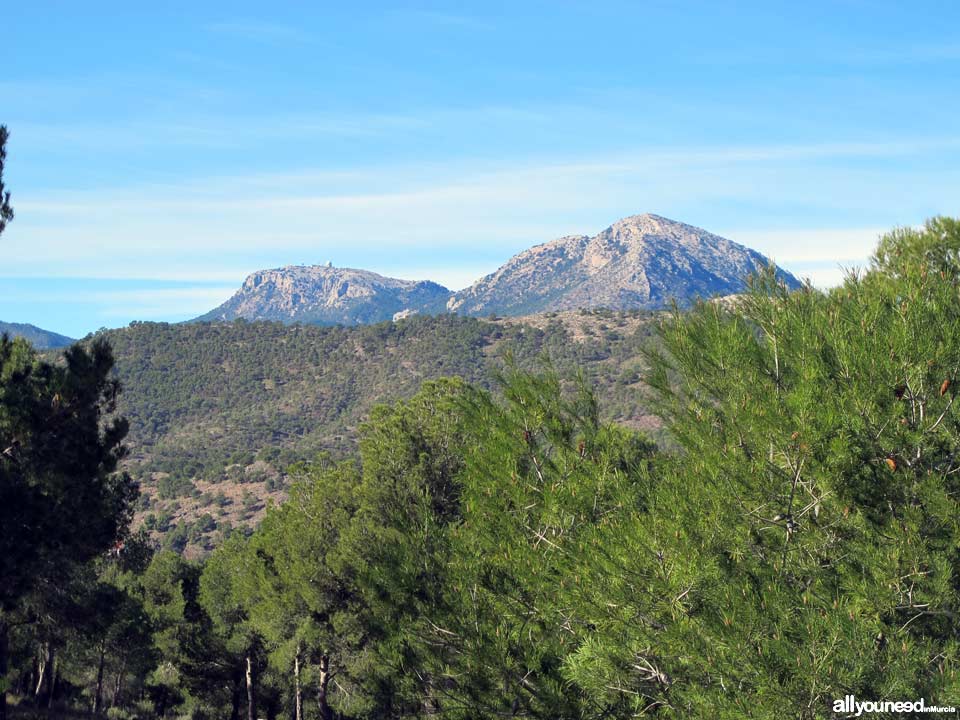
x=167 y=295
x=212 y=133
x=148 y=304
x=219 y=130
x=451 y=277
x=799 y=247
x=176 y=297
x=471 y=215
x=377 y=186
x=825 y=278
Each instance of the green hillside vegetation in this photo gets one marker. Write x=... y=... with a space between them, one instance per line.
x=487 y=554
x=218 y=412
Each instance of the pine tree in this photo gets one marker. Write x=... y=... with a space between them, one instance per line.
x=62 y=502
x=342 y=580
x=397 y=548
x=200 y=667
x=223 y=597
x=6 y=210
x=541 y=479
x=801 y=547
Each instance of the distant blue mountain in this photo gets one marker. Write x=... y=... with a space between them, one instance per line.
x=38 y=337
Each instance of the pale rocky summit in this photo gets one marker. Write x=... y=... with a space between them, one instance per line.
x=328 y=295
x=640 y=262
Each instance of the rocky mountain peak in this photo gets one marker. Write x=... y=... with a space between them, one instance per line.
x=328 y=295
x=639 y=262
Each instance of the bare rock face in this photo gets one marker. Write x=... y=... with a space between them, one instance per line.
x=640 y=262
x=328 y=295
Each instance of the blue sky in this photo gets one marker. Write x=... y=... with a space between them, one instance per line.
x=159 y=152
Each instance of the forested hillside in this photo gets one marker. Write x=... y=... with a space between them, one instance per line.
x=219 y=411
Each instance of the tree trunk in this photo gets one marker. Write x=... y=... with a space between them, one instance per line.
x=53 y=679
x=161 y=706
x=98 y=693
x=41 y=671
x=297 y=692
x=251 y=694
x=325 y=712
x=118 y=685
x=235 y=709
x=46 y=667
x=3 y=669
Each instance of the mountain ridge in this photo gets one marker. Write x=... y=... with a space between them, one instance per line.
x=36 y=336
x=324 y=294
x=641 y=262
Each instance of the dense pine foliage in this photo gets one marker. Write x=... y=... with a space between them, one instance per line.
x=510 y=554
x=62 y=503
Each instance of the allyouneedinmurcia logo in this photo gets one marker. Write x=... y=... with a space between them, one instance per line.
x=851 y=707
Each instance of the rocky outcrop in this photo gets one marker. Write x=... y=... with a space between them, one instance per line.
x=328 y=295
x=640 y=262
